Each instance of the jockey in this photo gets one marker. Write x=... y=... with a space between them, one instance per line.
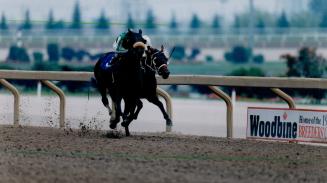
x=110 y=58
x=117 y=45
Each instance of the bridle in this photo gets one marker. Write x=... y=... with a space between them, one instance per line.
x=152 y=66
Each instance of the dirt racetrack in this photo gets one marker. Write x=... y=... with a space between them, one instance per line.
x=34 y=154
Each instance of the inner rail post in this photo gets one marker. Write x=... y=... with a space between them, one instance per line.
x=285 y=97
x=16 y=94
x=62 y=98
x=229 y=105
x=169 y=106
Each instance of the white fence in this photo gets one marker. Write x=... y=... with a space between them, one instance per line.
x=273 y=83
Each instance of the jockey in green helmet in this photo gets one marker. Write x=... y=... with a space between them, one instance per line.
x=118 y=43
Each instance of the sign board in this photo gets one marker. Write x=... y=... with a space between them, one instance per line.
x=287 y=124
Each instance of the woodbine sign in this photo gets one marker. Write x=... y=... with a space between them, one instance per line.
x=287 y=124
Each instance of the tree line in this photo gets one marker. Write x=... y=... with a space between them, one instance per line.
x=103 y=22
x=315 y=17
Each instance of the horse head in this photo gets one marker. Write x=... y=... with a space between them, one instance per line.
x=159 y=61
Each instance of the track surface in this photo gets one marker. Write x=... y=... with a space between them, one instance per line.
x=30 y=154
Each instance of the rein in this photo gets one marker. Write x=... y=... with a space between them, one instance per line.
x=171 y=53
x=152 y=65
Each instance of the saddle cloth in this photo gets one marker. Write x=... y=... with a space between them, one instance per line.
x=107 y=59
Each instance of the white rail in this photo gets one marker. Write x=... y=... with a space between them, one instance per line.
x=267 y=82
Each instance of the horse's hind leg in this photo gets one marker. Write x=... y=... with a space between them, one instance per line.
x=155 y=100
x=104 y=98
x=113 y=111
x=115 y=118
x=116 y=106
x=126 y=111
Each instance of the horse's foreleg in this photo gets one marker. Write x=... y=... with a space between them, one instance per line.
x=131 y=108
x=139 y=106
x=126 y=109
x=155 y=100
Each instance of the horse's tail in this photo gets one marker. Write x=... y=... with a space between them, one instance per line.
x=94 y=82
x=96 y=70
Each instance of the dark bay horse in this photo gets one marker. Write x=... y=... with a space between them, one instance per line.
x=122 y=78
x=155 y=62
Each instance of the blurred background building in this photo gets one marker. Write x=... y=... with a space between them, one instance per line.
x=216 y=37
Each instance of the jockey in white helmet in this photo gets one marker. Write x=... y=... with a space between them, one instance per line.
x=148 y=40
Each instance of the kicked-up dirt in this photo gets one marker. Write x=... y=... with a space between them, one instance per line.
x=35 y=154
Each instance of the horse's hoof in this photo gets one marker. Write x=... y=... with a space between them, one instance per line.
x=127 y=132
x=113 y=125
x=115 y=120
x=169 y=122
x=169 y=129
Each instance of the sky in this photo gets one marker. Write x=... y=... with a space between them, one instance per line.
x=117 y=9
